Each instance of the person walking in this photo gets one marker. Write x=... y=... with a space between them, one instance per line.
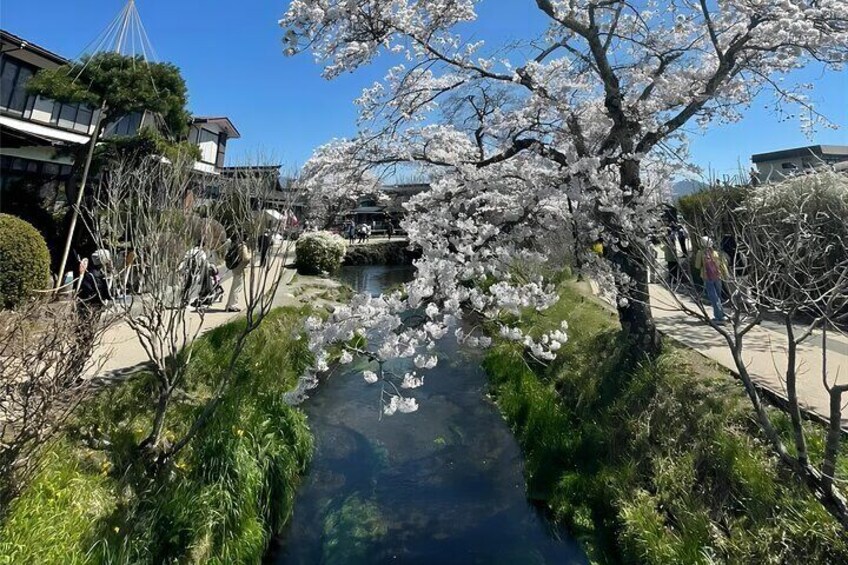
x=390 y=230
x=93 y=294
x=713 y=269
x=682 y=236
x=236 y=259
x=672 y=261
x=350 y=231
x=264 y=245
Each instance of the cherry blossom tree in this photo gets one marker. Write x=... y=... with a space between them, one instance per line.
x=479 y=228
x=331 y=187
x=608 y=85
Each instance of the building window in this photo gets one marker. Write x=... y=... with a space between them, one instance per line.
x=72 y=116
x=13 y=78
x=788 y=166
x=128 y=125
x=222 y=148
x=43 y=175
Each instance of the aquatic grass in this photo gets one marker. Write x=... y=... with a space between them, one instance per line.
x=223 y=497
x=350 y=529
x=652 y=461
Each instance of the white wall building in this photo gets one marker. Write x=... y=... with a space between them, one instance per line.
x=778 y=165
x=211 y=135
x=36 y=133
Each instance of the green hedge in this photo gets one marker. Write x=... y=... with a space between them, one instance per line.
x=24 y=261
x=319 y=252
x=654 y=462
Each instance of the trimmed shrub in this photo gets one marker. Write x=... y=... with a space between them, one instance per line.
x=24 y=261
x=319 y=252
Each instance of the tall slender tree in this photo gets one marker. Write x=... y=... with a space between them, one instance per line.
x=117 y=86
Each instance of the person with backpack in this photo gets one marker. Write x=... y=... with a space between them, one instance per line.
x=236 y=259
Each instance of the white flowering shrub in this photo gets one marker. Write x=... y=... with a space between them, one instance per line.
x=320 y=252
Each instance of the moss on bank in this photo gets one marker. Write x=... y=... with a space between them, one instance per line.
x=653 y=462
x=219 y=502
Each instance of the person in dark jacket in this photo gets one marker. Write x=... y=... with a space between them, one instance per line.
x=94 y=289
x=264 y=245
x=93 y=294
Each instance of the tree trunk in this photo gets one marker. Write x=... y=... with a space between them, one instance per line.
x=834 y=436
x=151 y=443
x=792 y=394
x=634 y=311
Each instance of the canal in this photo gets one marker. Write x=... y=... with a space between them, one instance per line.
x=441 y=485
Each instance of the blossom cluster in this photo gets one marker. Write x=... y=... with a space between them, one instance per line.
x=533 y=158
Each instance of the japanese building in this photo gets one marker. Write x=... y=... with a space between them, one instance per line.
x=38 y=135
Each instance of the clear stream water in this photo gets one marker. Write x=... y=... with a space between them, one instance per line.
x=442 y=485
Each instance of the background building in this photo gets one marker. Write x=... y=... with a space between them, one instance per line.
x=776 y=165
x=40 y=138
x=378 y=209
x=38 y=135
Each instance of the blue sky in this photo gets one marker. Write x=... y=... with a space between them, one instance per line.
x=231 y=56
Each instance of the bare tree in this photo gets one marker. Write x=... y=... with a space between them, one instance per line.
x=153 y=208
x=784 y=259
x=45 y=350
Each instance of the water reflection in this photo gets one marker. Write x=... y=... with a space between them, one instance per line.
x=375 y=279
x=441 y=485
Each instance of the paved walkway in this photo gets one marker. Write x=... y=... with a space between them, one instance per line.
x=764 y=352
x=120 y=352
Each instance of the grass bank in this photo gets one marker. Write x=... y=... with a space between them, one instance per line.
x=654 y=462
x=222 y=499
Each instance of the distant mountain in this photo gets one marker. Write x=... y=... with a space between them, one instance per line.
x=687 y=186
